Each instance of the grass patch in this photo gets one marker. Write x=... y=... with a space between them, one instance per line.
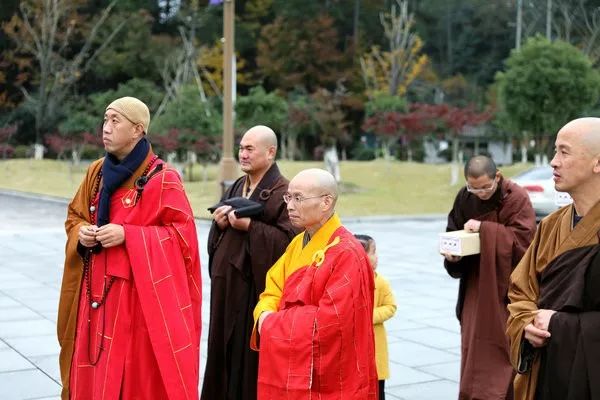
x=368 y=187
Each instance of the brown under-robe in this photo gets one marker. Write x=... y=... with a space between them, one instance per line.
x=555 y=236
x=238 y=265
x=508 y=225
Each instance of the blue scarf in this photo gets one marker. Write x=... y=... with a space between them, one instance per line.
x=115 y=172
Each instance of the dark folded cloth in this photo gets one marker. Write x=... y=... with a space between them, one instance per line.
x=242 y=207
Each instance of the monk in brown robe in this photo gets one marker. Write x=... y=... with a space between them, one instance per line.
x=241 y=251
x=501 y=212
x=554 y=324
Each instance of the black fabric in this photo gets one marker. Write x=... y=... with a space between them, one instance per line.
x=242 y=207
x=570 y=361
x=115 y=172
x=381 y=390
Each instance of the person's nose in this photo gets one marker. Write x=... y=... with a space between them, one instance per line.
x=106 y=129
x=554 y=163
x=290 y=205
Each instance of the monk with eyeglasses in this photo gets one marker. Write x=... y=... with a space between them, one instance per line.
x=314 y=320
x=502 y=213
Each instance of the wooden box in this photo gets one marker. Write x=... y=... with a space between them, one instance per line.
x=459 y=243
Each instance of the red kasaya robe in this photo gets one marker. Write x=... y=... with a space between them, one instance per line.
x=146 y=335
x=318 y=343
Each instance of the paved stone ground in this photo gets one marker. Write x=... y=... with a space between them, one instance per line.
x=424 y=340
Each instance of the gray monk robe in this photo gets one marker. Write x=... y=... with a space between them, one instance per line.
x=238 y=264
x=508 y=225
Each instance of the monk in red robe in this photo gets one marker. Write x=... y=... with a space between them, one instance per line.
x=315 y=315
x=129 y=312
x=501 y=212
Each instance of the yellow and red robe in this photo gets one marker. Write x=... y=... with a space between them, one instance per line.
x=318 y=343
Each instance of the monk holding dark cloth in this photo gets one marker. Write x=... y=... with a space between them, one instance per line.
x=129 y=313
x=241 y=250
x=501 y=212
x=554 y=324
x=315 y=317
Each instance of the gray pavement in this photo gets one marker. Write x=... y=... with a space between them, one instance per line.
x=424 y=336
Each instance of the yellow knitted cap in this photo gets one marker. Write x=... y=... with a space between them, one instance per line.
x=133 y=109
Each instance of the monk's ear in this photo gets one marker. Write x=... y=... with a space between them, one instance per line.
x=596 y=168
x=328 y=201
x=138 y=131
x=272 y=152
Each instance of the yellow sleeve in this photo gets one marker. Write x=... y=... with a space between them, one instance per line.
x=274 y=282
x=387 y=306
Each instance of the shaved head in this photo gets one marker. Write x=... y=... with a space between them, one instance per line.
x=576 y=162
x=312 y=197
x=480 y=165
x=585 y=131
x=262 y=134
x=318 y=180
x=258 y=149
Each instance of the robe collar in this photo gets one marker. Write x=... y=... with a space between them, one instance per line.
x=579 y=235
x=263 y=189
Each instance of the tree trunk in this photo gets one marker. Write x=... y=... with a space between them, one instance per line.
x=283 y=151
x=356 y=21
x=292 y=146
x=455 y=162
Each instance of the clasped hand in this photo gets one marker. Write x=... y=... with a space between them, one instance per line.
x=109 y=235
x=224 y=217
x=537 y=332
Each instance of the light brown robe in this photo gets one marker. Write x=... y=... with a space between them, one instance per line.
x=555 y=235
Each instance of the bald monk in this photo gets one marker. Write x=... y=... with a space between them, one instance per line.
x=554 y=324
x=501 y=212
x=241 y=250
x=129 y=312
x=314 y=319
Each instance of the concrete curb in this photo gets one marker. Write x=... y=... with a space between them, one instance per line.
x=34 y=196
x=350 y=220
x=395 y=218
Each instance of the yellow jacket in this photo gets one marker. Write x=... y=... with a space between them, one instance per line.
x=385 y=308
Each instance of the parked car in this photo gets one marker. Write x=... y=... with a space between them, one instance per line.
x=540 y=187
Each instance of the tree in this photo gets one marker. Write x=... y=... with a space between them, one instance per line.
x=333 y=127
x=293 y=52
x=188 y=113
x=393 y=70
x=300 y=123
x=261 y=108
x=545 y=85
x=384 y=119
x=6 y=133
x=47 y=31
x=578 y=23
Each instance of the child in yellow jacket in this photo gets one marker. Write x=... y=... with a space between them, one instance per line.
x=384 y=309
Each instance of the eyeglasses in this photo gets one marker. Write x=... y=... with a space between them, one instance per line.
x=484 y=189
x=298 y=198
